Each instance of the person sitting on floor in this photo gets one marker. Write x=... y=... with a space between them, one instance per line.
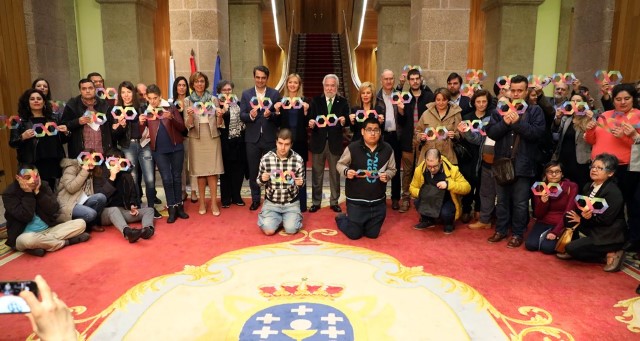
x=549 y=210
x=76 y=195
x=122 y=208
x=282 y=188
x=368 y=164
x=601 y=234
x=31 y=210
x=438 y=187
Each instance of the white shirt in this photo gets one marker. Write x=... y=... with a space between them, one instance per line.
x=390 y=117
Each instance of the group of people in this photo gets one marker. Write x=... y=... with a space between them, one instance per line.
x=459 y=154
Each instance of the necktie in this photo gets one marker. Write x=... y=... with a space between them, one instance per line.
x=329 y=105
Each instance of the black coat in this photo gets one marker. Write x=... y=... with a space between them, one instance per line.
x=406 y=121
x=300 y=139
x=26 y=149
x=319 y=136
x=610 y=226
x=22 y=206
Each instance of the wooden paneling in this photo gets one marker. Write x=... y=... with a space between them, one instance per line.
x=14 y=76
x=625 y=40
x=320 y=16
x=475 y=52
x=162 y=42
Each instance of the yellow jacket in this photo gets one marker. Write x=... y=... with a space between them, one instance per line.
x=456 y=183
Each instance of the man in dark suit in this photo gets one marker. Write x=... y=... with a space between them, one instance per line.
x=260 y=135
x=454 y=82
x=326 y=140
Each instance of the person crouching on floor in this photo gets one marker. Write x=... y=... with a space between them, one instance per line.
x=438 y=187
x=31 y=210
x=122 y=200
x=368 y=164
x=282 y=172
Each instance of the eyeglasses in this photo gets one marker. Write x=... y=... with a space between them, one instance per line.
x=599 y=169
x=433 y=167
x=554 y=172
x=372 y=131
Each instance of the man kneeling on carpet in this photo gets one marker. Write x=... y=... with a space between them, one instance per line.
x=122 y=200
x=282 y=172
x=438 y=186
x=31 y=212
x=368 y=164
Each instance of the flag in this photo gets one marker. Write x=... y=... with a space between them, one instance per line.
x=172 y=74
x=192 y=60
x=217 y=74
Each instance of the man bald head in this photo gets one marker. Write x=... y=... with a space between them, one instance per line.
x=387 y=80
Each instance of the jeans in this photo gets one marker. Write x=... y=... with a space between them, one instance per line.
x=513 y=198
x=392 y=139
x=90 y=210
x=142 y=162
x=272 y=215
x=170 y=167
x=362 y=220
x=537 y=239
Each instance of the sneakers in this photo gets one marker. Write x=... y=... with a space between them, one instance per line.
x=479 y=226
x=147 y=232
x=132 y=235
x=404 y=206
x=156 y=214
x=422 y=225
x=448 y=229
x=81 y=238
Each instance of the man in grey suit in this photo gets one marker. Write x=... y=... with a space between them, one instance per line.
x=256 y=111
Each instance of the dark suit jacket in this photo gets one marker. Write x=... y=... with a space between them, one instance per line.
x=318 y=106
x=465 y=105
x=406 y=121
x=610 y=226
x=268 y=125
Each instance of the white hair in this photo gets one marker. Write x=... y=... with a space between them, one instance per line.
x=331 y=75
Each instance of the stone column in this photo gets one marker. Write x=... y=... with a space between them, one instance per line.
x=439 y=38
x=201 y=26
x=52 y=45
x=393 y=35
x=245 y=41
x=128 y=40
x=510 y=36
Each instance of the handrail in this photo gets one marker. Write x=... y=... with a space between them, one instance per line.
x=286 y=63
x=353 y=70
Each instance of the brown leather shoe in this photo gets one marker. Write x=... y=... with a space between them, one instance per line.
x=514 y=242
x=479 y=226
x=404 y=206
x=614 y=261
x=496 y=237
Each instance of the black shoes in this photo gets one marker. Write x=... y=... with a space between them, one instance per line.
x=132 y=235
x=157 y=201
x=336 y=208
x=239 y=202
x=156 y=214
x=448 y=229
x=180 y=212
x=314 y=208
x=466 y=218
x=35 y=252
x=226 y=205
x=147 y=232
x=173 y=210
x=423 y=225
x=395 y=204
x=254 y=205
x=81 y=238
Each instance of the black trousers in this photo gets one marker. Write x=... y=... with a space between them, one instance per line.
x=255 y=151
x=393 y=140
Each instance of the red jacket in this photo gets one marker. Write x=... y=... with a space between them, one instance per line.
x=174 y=126
x=552 y=212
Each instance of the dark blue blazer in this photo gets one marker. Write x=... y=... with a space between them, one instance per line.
x=268 y=125
x=319 y=136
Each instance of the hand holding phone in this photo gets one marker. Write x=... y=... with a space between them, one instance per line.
x=50 y=318
x=10 y=301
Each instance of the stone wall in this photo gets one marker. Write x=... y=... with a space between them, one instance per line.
x=52 y=45
x=201 y=25
x=439 y=38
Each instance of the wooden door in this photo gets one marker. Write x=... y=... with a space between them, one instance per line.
x=319 y=16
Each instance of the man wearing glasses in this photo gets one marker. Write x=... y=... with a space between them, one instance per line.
x=367 y=165
x=438 y=187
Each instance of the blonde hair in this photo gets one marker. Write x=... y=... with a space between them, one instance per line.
x=363 y=86
x=286 y=89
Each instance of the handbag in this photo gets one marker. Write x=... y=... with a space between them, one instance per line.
x=565 y=238
x=462 y=152
x=504 y=171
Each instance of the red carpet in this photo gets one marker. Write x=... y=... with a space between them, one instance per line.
x=579 y=297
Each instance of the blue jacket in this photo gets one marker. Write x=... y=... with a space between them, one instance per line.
x=530 y=127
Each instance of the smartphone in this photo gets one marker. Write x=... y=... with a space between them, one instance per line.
x=10 y=301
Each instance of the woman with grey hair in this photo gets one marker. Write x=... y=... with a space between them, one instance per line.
x=600 y=228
